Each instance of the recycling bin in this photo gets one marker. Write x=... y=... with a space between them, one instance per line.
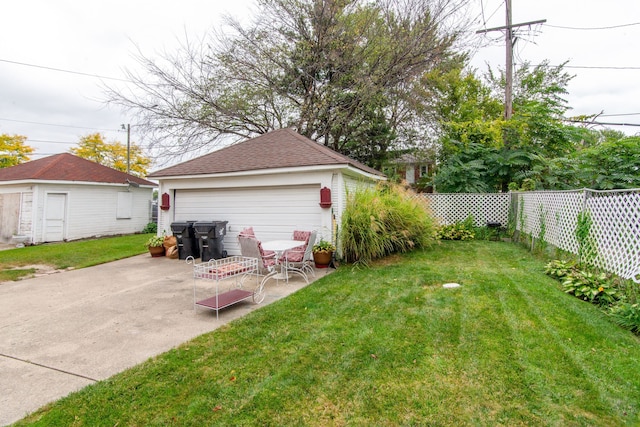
x=186 y=237
x=210 y=235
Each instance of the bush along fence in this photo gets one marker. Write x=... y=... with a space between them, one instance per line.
x=602 y=228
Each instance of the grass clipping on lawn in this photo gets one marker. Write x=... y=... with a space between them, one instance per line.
x=389 y=346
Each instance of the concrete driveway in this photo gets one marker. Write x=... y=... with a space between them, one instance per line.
x=61 y=332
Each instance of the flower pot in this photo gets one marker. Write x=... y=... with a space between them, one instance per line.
x=322 y=258
x=156 y=251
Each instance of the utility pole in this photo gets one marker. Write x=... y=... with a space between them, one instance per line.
x=510 y=40
x=508 y=86
x=128 y=128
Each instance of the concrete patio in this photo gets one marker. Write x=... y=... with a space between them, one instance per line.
x=63 y=331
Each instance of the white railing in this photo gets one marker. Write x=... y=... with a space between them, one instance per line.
x=552 y=217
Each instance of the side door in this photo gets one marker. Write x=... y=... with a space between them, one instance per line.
x=55 y=217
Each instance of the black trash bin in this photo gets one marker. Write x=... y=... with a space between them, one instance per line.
x=186 y=237
x=210 y=235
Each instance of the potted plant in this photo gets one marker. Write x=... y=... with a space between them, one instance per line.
x=322 y=253
x=155 y=246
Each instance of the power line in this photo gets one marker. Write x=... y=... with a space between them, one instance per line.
x=621 y=114
x=593 y=28
x=484 y=20
x=588 y=122
x=601 y=67
x=64 y=71
x=57 y=125
x=585 y=67
x=50 y=142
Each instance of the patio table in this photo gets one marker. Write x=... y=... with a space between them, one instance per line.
x=280 y=247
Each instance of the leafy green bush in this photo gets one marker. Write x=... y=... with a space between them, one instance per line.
x=598 y=288
x=626 y=315
x=382 y=220
x=619 y=298
x=461 y=230
x=454 y=232
x=559 y=269
x=152 y=227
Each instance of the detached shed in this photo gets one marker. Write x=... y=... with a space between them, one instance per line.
x=272 y=182
x=65 y=197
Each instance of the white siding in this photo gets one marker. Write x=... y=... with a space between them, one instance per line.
x=273 y=212
x=92 y=210
x=26 y=214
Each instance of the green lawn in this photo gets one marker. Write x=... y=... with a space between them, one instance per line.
x=389 y=346
x=76 y=254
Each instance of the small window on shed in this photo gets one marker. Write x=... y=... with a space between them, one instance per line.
x=125 y=205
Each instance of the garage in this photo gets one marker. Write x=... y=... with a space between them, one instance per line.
x=276 y=183
x=269 y=210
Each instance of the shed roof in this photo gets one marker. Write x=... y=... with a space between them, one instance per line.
x=283 y=148
x=67 y=167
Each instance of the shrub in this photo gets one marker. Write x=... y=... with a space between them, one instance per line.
x=626 y=315
x=454 y=232
x=152 y=227
x=382 y=220
x=559 y=269
x=598 y=288
x=461 y=230
x=618 y=297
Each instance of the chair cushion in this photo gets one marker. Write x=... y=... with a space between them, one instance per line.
x=267 y=256
x=301 y=235
x=247 y=232
x=296 y=256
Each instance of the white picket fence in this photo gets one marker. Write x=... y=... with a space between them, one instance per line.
x=552 y=217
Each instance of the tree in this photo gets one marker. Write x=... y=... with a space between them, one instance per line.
x=114 y=155
x=611 y=165
x=343 y=72
x=13 y=150
x=518 y=149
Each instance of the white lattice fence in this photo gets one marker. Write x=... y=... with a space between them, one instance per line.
x=554 y=212
x=615 y=230
x=449 y=208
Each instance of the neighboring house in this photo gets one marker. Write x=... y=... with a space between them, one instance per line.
x=65 y=197
x=272 y=183
x=412 y=169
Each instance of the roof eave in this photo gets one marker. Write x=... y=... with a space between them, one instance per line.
x=272 y=171
x=62 y=182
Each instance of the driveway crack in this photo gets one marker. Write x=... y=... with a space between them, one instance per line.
x=49 y=367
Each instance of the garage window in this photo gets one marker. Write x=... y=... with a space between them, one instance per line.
x=124 y=205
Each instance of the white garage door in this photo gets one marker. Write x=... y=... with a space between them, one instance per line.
x=273 y=212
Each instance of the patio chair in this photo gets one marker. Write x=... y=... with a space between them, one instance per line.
x=300 y=259
x=248 y=232
x=252 y=248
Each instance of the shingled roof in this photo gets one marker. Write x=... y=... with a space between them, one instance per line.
x=283 y=148
x=67 y=167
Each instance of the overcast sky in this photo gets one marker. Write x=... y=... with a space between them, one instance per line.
x=99 y=38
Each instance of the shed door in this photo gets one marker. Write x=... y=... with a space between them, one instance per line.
x=274 y=212
x=55 y=210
